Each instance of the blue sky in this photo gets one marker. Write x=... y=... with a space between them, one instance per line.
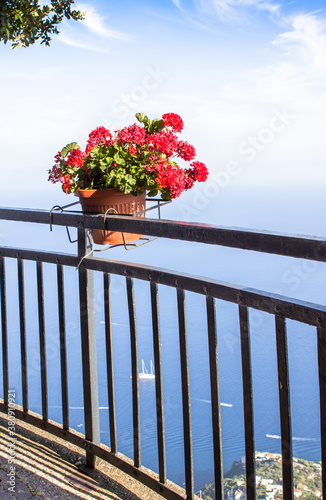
x=247 y=76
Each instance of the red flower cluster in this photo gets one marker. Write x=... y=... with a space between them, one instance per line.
x=66 y=183
x=55 y=173
x=199 y=171
x=75 y=158
x=174 y=121
x=134 y=134
x=172 y=177
x=162 y=142
x=98 y=137
x=185 y=151
x=132 y=150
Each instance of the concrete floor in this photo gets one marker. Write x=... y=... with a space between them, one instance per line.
x=49 y=468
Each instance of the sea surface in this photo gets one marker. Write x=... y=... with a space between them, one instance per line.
x=293 y=278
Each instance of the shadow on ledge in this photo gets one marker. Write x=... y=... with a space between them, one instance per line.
x=47 y=467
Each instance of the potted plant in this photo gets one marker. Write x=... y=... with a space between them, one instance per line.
x=117 y=171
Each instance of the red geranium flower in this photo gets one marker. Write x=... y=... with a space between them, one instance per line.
x=172 y=177
x=66 y=183
x=75 y=157
x=98 y=137
x=173 y=120
x=162 y=142
x=135 y=134
x=199 y=171
x=185 y=151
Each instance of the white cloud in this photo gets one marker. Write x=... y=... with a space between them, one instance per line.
x=230 y=10
x=226 y=11
x=295 y=75
x=96 y=23
x=305 y=43
x=97 y=34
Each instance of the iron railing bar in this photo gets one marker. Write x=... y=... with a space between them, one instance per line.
x=102 y=452
x=134 y=371
x=158 y=382
x=63 y=348
x=285 y=408
x=4 y=331
x=35 y=255
x=186 y=404
x=305 y=247
x=291 y=308
x=248 y=402
x=88 y=345
x=321 y=345
x=43 y=364
x=23 y=352
x=109 y=362
x=215 y=398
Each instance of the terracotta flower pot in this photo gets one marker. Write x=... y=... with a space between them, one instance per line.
x=97 y=200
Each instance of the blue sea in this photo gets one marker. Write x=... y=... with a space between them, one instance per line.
x=299 y=213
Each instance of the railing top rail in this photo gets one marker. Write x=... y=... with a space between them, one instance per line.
x=304 y=247
x=288 y=307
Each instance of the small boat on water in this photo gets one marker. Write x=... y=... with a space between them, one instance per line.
x=144 y=374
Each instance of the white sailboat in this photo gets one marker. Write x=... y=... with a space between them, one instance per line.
x=144 y=373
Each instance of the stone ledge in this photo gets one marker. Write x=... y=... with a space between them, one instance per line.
x=52 y=469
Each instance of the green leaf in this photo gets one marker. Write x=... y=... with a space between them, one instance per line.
x=153 y=192
x=129 y=178
x=117 y=158
x=68 y=148
x=166 y=195
x=141 y=117
x=158 y=125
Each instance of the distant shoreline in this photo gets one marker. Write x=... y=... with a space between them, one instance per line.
x=306 y=479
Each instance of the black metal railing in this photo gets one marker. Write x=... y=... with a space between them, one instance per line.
x=280 y=307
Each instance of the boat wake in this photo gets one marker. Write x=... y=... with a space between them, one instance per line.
x=209 y=401
x=117 y=324
x=275 y=436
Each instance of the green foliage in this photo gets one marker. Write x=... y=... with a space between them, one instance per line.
x=152 y=126
x=260 y=493
x=305 y=473
x=69 y=147
x=24 y=22
x=99 y=173
x=236 y=470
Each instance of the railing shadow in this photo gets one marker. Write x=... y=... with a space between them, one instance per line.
x=50 y=467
